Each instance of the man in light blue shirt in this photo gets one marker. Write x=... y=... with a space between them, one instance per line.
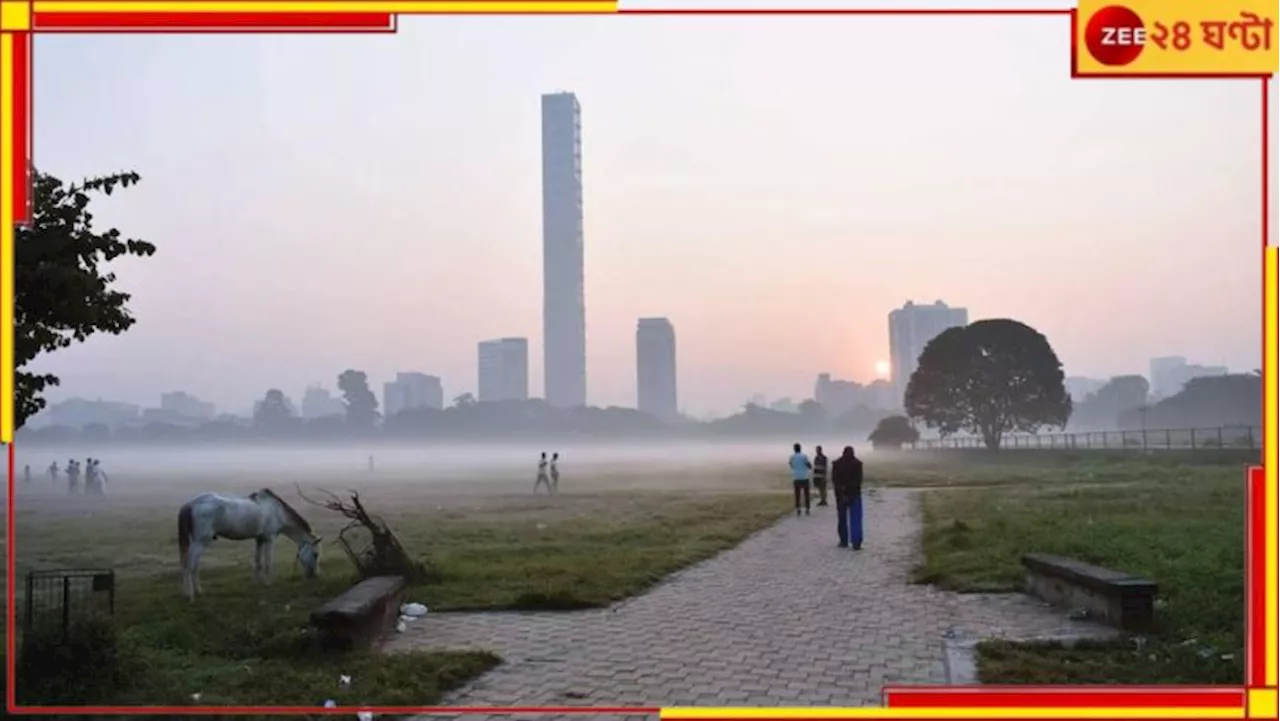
x=800 y=467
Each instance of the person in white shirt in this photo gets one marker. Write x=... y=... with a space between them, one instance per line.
x=800 y=467
x=555 y=472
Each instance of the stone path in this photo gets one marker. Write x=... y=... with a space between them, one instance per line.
x=784 y=619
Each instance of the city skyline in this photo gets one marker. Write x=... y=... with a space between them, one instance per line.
x=564 y=341
x=705 y=200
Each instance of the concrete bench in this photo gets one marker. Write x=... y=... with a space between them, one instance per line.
x=1117 y=598
x=361 y=614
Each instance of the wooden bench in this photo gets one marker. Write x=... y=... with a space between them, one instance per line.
x=1117 y=598
x=361 y=614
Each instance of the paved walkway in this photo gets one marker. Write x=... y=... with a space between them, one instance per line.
x=784 y=619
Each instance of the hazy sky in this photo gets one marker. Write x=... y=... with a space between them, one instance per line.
x=773 y=185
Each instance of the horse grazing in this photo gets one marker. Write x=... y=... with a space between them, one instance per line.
x=262 y=516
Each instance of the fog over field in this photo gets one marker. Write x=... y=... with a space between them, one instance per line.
x=485 y=468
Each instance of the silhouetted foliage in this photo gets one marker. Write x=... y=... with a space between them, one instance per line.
x=362 y=404
x=1211 y=401
x=894 y=432
x=63 y=295
x=989 y=377
x=273 y=413
x=1103 y=407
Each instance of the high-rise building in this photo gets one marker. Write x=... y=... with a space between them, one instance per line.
x=184 y=404
x=411 y=390
x=911 y=327
x=504 y=370
x=656 y=368
x=564 y=334
x=318 y=402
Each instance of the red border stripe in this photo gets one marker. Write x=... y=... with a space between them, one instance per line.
x=21 y=127
x=1256 y=579
x=248 y=21
x=1063 y=698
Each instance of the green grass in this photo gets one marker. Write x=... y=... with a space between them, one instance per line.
x=1180 y=525
x=245 y=644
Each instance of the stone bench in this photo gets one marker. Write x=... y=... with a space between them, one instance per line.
x=361 y=614
x=1117 y=598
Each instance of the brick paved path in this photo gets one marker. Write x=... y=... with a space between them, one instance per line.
x=784 y=619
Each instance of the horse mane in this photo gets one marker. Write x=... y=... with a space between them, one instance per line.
x=289 y=510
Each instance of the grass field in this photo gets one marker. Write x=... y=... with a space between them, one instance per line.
x=494 y=547
x=1178 y=523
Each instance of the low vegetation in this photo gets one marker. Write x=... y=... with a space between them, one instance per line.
x=1177 y=523
x=242 y=644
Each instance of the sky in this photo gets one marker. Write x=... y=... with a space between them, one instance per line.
x=773 y=185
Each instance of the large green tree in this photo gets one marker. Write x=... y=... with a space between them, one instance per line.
x=989 y=378
x=63 y=292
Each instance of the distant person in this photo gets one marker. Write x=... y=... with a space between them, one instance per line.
x=371 y=464
x=820 y=475
x=26 y=473
x=73 y=476
x=846 y=481
x=555 y=472
x=542 y=480
x=53 y=471
x=100 y=476
x=90 y=477
x=800 y=467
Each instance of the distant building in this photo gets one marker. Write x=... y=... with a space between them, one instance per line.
x=77 y=412
x=656 y=368
x=839 y=396
x=504 y=370
x=184 y=405
x=317 y=402
x=1170 y=373
x=1080 y=388
x=564 y=334
x=411 y=390
x=911 y=327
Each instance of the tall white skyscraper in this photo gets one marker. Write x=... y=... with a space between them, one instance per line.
x=911 y=327
x=564 y=335
x=656 y=368
x=504 y=370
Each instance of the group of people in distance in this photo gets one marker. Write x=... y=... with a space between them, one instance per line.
x=846 y=483
x=95 y=479
x=548 y=473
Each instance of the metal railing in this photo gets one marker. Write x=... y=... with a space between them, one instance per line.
x=1222 y=437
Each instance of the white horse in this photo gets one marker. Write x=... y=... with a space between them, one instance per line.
x=262 y=516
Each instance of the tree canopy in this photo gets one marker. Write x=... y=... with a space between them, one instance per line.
x=63 y=293
x=362 y=404
x=989 y=377
x=893 y=432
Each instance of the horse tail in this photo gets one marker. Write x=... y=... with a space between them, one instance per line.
x=184 y=532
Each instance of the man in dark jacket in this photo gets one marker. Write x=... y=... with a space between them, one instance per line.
x=846 y=481
x=820 y=475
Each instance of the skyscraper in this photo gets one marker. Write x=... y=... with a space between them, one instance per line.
x=656 y=368
x=564 y=336
x=911 y=327
x=409 y=391
x=504 y=370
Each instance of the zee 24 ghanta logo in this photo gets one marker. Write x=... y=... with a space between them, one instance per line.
x=1115 y=35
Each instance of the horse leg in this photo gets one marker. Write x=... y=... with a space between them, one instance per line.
x=268 y=559
x=258 y=573
x=193 y=561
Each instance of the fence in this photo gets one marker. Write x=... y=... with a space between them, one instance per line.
x=1225 y=437
x=55 y=600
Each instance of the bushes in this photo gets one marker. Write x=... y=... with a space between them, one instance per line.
x=73 y=667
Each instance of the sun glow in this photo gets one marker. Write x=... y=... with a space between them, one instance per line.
x=882 y=367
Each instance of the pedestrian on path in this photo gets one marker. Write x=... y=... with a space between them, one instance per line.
x=800 y=467
x=820 y=475
x=846 y=481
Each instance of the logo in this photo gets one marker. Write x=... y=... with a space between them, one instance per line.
x=1115 y=35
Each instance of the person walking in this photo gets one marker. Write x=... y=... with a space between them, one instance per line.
x=53 y=471
x=555 y=472
x=820 y=475
x=542 y=479
x=846 y=481
x=800 y=467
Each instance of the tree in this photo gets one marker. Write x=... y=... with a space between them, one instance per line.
x=466 y=399
x=63 y=294
x=989 y=377
x=1103 y=407
x=362 y=404
x=273 y=413
x=893 y=432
